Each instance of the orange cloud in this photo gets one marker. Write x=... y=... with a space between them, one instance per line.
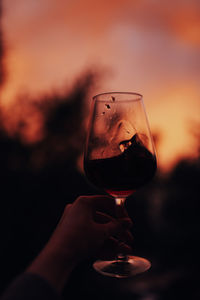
x=178 y=18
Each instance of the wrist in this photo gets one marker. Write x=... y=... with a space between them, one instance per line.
x=55 y=265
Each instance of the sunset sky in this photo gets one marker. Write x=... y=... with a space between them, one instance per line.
x=147 y=46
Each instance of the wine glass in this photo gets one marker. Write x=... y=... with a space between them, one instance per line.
x=119 y=158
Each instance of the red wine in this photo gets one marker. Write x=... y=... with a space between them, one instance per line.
x=122 y=174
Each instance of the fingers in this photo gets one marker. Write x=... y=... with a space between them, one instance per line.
x=66 y=210
x=115 y=227
x=120 y=211
x=67 y=207
x=112 y=247
x=97 y=211
x=126 y=222
x=104 y=204
x=109 y=229
x=98 y=202
x=109 y=249
x=119 y=229
x=124 y=248
x=125 y=237
x=102 y=218
x=123 y=234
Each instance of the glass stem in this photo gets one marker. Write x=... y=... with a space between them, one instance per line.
x=119 y=213
x=120 y=201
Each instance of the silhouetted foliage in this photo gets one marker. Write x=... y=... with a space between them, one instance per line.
x=167 y=231
x=39 y=179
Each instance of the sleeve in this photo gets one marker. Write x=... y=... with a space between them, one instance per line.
x=30 y=287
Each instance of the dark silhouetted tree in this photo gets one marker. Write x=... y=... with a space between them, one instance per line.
x=39 y=179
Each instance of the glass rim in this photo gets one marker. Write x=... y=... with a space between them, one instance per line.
x=137 y=95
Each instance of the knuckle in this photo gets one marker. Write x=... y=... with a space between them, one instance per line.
x=83 y=199
x=67 y=207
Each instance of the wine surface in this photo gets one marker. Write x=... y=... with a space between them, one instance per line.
x=124 y=173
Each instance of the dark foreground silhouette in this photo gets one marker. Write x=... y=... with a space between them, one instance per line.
x=38 y=180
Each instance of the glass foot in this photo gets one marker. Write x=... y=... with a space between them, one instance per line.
x=122 y=268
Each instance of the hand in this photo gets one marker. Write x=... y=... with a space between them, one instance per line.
x=86 y=226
